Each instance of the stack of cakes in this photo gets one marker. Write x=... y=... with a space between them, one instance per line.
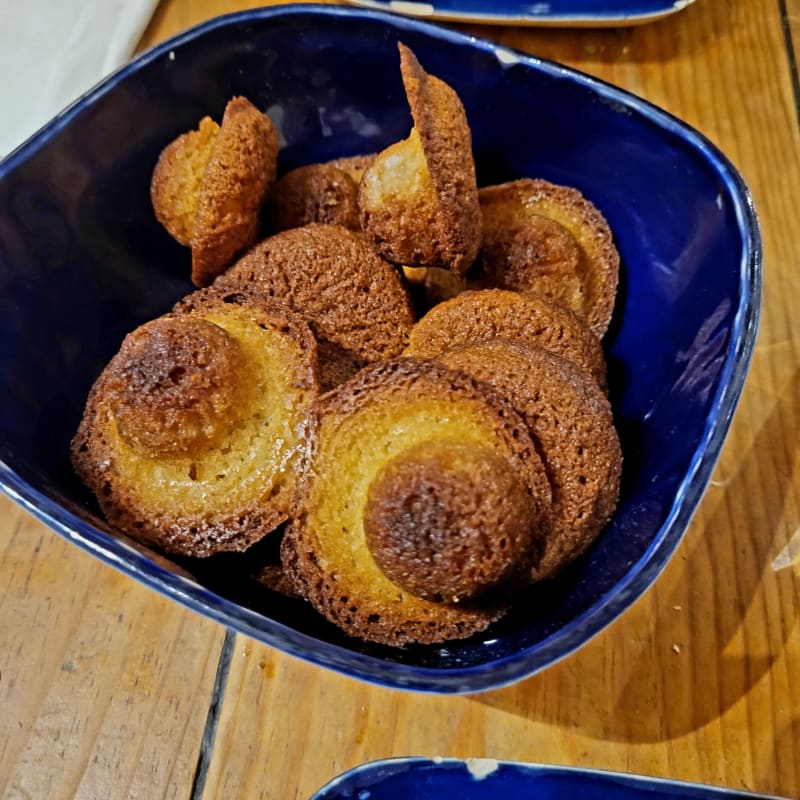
x=403 y=379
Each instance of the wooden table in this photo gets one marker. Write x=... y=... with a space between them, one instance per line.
x=109 y=691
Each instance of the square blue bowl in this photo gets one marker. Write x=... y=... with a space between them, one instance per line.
x=83 y=261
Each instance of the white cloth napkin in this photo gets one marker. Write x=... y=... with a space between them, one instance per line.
x=52 y=51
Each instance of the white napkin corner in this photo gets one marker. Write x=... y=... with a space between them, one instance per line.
x=52 y=51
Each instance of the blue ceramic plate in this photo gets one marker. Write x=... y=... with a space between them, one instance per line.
x=485 y=779
x=83 y=261
x=567 y=13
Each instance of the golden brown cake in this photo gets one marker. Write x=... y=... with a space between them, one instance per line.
x=195 y=433
x=314 y=193
x=424 y=493
x=354 y=166
x=571 y=423
x=445 y=522
x=353 y=300
x=431 y=285
x=551 y=240
x=208 y=186
x=272 y=576
x=488 y=313
x=176 y=180
x=419 y=198
x=325 y=192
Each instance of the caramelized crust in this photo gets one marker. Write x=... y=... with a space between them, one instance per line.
x=207 y=458
x=431 y=285
x=419 y=198
x=570 y=421
x=177 y=386
x=272 y=576
x=551 y=240
x=448 y=522
x=325 y=193
x=532 y=254
x=488 y=313
x=353 y=300
x=390 y=413
x=315 y=193
x=354 y=166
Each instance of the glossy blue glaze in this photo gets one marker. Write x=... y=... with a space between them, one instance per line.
x=530 y=12
x=83 y=261
x=424 y=779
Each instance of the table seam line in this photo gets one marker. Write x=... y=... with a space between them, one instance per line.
x=212 y=717
x=788 y=44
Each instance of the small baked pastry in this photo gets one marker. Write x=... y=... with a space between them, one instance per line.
x=488 y=313
x=272 y=576
x=195 y=433
x=208 y=186
x=431 y=285
x=319 y=193
x=419 y=198
x=551 y=240
x=354 y=166
x=424 y=495
x=570 y=420
x=354 y=301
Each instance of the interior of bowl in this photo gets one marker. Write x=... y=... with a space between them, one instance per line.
x=83 y=261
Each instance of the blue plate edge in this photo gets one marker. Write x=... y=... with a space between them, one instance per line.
x=396 y=764
x=604 y=19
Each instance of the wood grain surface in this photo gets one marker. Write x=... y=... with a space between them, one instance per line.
x=104 y=686
x=107 y=690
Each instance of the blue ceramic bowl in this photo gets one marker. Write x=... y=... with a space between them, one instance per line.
x=83 y=261
x=482 y=779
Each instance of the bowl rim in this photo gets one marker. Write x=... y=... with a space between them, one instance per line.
x=640 y=575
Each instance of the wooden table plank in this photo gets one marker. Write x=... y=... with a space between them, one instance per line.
x=104 y=685
x=696 y=680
